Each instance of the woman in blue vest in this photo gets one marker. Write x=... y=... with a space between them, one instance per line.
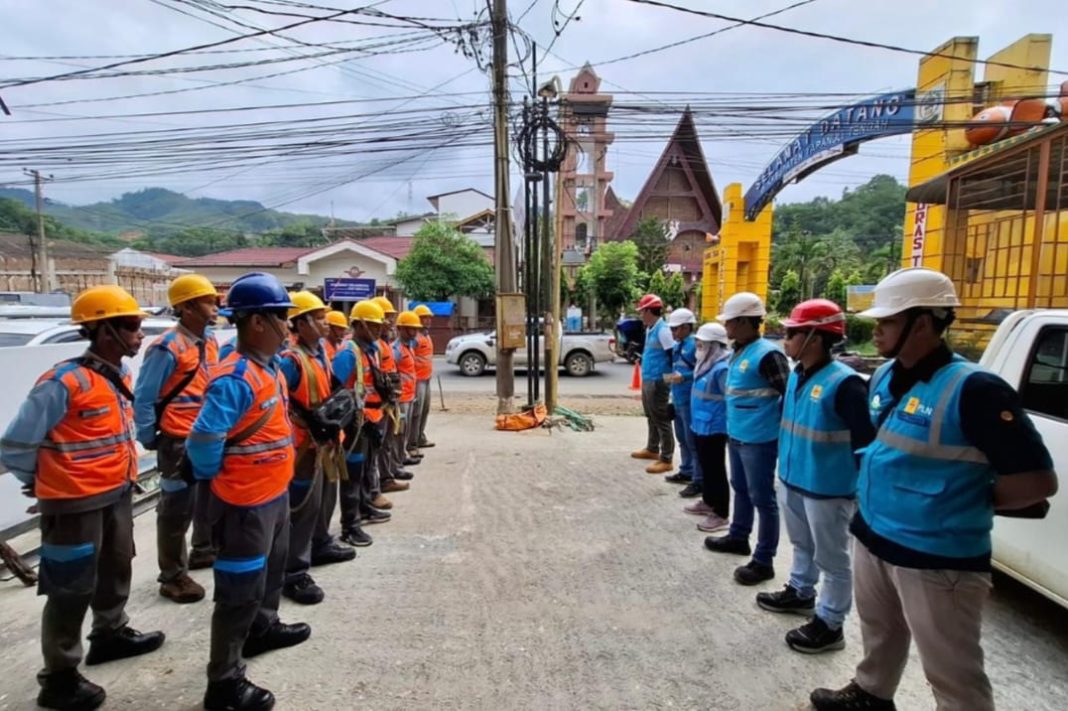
x=824 y=420
x=656 y=395
x=756 y=382
x=683 y=359
x=953 y=445
x=708 y=404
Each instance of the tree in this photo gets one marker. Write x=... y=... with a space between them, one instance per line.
x=789 y=292
x=444 y=263
x=298 y=235
x=674 y=291
x=804 y=255
x=650 y=236
x=836 y=288
x=611 y=275
x=657 y=284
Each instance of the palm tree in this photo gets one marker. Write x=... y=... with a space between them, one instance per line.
x=805 y=255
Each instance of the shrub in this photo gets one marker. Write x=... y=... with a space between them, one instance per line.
x=859 y=330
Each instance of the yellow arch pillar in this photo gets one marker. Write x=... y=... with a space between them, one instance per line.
x=738 y=259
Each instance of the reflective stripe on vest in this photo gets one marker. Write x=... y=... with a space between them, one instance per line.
x=91 y=450
x=424 y=357
x=815 y=445
x=257 y=468
x=922 y=484
x=708 y=396
x=406 y=367
x=178 y=417
x=656 y=362
x=371 y=399
x=307 y=397
x=708 y=409
x=752 y=404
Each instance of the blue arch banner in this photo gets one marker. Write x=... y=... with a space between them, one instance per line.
x=838 y=135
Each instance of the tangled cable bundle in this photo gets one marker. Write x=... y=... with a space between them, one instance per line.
x=529 y=138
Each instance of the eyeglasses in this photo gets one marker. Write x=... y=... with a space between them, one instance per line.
x=130 y=325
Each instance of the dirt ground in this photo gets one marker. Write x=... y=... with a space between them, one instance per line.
x=539 y=570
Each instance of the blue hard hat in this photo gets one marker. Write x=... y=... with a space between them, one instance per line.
x=255 y=291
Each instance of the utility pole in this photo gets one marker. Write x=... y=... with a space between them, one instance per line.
x=504 y=247
x=45 y=283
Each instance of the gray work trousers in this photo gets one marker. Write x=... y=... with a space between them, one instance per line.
x=180 y=505
x=400 y=440
x=358 y=491
x=305 y=503
x=386 y=458
x=656 y=394
x=85 y=563
x=941 y=610
x=251 y=543
x=419 y=412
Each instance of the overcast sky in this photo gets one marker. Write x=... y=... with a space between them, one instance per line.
x=746 y=59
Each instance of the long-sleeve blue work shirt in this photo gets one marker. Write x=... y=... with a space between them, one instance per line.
x=292 y=368
x=226 y=400
x=42 y=410
x=158 y=365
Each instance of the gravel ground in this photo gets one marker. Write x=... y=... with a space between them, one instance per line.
x=535 y=570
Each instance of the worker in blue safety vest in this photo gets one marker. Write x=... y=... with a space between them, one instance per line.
x=756 y=382
x=708 y=405
x=656 y=393
x=682 y=323
x=953 y=446
x=824 y=421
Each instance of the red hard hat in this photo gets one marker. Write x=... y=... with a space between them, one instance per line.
x=819 y=315
x=650 y=301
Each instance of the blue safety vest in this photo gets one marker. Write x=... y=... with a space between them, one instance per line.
x=708 y=403
x=922 y=484
x=684 y=360
x=656 y=362
x=752 y=404
x=815 y=454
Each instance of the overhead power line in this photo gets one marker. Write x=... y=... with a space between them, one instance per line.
x=839 y=38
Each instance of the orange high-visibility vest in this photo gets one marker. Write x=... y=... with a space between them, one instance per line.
x=424 y=357
x=319 y=378
x=258 y=468
x=372 y=401
x=385 y=356
x=180 y=414
x=406 y=367
x=331 y=349
x=92 y=450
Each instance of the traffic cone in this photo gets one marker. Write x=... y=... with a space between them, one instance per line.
x=636 y=378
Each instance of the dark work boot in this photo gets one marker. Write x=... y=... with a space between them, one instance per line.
x=198 y=560
x=753 y=573
x=69 y=690
x=303 y=590
x=727 y=544
x=691 y=491
x=122 y=643
x=237 y=695
x=332 y=553
x=277 y=636
x=849 y=698
x=356 y=536
x=786 y=600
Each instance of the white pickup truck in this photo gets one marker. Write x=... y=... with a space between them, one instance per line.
x=579 y=352
x=1030 y=351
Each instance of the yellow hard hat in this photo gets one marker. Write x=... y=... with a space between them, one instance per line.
x=103 y=302
x=409 y=318
x=423 y=310
x=367 y=311
x=304 y=302
x=188 y=287
x=386 y=304
x=336 y=318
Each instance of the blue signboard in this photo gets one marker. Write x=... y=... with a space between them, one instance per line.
x=836 y=136
x=346 y=289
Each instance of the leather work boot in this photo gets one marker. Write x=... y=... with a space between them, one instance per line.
x=237 y=695
x=69 y=690
x=753 y=573
x=394 y=485
x=277 y=636
x=659 y=467
x=198 y=560
x=679 y=478
x=787 y=600
x=332 y=553
x=122 y=643
x=411 y=461
x=849 y=698
x=426 y=444
x=403 y=475
x=303 y=590
x=644 y=454
x=726 y=544
x=381 y=502
x=691 y=491
x=182 y=590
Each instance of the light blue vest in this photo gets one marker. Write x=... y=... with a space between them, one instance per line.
x=684 y=360
x=708 y=403
x=815 y=454
x=656 y=362
x=922 y=484
x=752 y=404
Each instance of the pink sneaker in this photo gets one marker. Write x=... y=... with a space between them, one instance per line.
x=713 y=523
x=698 y=508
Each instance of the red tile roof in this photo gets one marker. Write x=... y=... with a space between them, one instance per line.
x=168 y=258
x=396 y=247
x=249 y=257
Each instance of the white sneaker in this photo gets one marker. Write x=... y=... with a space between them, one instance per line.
x=713 y=523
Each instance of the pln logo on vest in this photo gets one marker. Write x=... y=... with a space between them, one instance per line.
x=915 y=412
x=816 y=392
x=743 y=366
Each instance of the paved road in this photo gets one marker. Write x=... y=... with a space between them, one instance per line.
x=535 y=570
x=607 y=379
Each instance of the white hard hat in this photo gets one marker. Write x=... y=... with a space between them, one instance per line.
x=712 y=332
x=744 y=303
x=678 y=317
x=915 y=287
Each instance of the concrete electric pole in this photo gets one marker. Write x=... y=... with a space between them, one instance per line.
x=44 y=270
x=504 y=246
